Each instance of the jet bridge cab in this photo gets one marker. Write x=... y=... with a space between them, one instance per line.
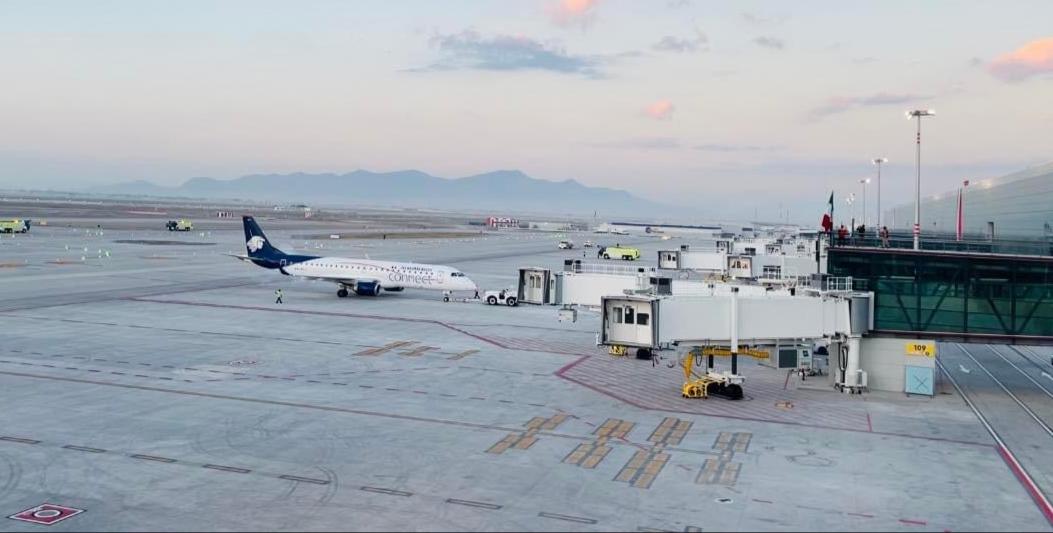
x=629 y=321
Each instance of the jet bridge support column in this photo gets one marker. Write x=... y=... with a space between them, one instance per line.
x=851 y=376
x=734 y=331
x=728 y=384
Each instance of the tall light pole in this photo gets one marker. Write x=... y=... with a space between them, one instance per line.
x=878 y=161
x=864 y=181
x=918 y=113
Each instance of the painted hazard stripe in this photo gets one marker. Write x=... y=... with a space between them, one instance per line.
x=470 y=503
x=305 y=479
x=20 y=440
x=391 y=492
x=567 y=518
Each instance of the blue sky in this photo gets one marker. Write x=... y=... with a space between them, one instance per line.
x=738 y=104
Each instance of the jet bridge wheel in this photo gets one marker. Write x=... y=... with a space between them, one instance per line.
x=730 y=392
x=342 y=292
x=694 y=389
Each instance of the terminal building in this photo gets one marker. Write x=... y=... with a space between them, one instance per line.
x=1019 y=205
x=875 y=311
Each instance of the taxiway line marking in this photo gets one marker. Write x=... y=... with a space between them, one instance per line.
x=1018 y=470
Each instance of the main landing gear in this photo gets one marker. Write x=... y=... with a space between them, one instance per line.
x=342 y=292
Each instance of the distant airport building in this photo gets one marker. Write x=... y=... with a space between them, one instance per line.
x=1017 y=205
x=679 y=229
x=551 y=226
x=502 y=222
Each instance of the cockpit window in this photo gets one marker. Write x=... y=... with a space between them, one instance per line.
x=456 y=274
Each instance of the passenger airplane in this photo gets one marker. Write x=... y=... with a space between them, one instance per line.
x=364 y=276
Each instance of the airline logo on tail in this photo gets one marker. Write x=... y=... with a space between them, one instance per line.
x=255 y=244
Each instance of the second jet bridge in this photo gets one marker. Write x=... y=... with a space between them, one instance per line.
x=646 y=321
x=735 y=318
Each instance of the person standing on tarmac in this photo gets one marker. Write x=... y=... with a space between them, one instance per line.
x=278 y=296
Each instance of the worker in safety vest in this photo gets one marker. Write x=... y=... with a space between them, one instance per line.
x=278 y=296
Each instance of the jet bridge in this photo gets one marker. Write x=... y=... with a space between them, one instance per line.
x=762 y=260
x=584 y=284
x=730 y=316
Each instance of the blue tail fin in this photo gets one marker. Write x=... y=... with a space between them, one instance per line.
x=260 y=250
x=263 y=253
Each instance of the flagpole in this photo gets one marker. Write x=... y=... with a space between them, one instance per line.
x=958 y=219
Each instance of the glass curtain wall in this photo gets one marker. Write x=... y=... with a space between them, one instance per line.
x=952 y=293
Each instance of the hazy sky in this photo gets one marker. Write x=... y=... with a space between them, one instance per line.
x=738 y=104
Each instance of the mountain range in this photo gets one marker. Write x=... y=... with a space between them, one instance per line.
x=502 y=190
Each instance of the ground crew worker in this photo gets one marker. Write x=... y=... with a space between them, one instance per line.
x=278 y=296
x=884 y=236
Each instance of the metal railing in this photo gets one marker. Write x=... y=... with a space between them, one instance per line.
x=948 y=243
x=827 y=283
x=611 y=269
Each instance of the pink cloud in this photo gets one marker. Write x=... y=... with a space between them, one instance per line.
x=660 y=110
x=573 y=12
x=1033 y=59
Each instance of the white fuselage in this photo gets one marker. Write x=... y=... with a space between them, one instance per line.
x=388 y=274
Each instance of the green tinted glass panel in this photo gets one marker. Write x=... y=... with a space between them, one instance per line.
x=938 y=292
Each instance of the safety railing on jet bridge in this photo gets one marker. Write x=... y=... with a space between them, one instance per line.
x=827 y=283
x=609 y=269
